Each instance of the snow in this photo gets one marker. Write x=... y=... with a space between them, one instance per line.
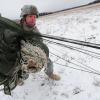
x=74 y=84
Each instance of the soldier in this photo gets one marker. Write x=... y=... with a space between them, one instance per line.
x=10 y=52
x=38 y=56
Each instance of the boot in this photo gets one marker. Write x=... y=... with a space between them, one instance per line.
x=20 y=82
x=55 y=77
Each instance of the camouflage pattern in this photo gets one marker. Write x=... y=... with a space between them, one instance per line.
x=39 y=51
x=36 y=54
x=36 y=50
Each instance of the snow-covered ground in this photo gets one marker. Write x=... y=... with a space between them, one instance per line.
x=74 y=84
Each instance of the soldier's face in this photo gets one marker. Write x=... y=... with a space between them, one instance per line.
x=30 y=20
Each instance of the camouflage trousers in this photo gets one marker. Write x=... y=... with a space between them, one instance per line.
x=38 y=55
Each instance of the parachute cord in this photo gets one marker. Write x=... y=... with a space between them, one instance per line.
x=78 y=69
x=80 y=62
x=76 y=49
x=91 y=69
x=73 y=41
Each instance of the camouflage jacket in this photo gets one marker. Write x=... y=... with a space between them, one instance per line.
x=35 y=49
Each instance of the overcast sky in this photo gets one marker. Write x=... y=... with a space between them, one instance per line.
x=11 y=8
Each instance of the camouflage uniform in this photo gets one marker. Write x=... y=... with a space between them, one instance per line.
x=39 y=51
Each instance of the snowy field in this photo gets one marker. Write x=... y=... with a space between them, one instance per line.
x=74 y=84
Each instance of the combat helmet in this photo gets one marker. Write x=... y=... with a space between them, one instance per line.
x=29 y=9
